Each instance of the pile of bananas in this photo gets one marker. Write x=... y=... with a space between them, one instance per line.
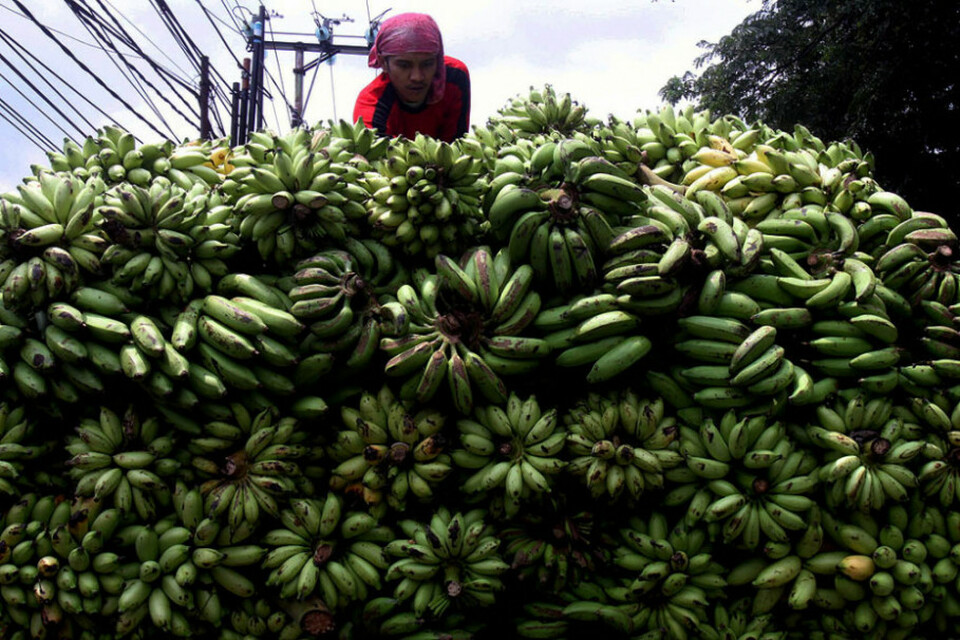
x=683 y=375
x=386 y=454
x=425 y=195
x=541 y=111
x=347 y=298
x=289 y=197
x=48 y=239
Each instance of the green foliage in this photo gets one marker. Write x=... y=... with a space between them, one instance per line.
x=880 y=71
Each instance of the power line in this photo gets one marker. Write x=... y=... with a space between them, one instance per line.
x=14 y=46
x=34 y=105
x=94 y=30
x=87 y=69
x=65 y=83
x=131 y=43
x=42 y=96
x=64 y=34
x=141 y=32
x=25 y=128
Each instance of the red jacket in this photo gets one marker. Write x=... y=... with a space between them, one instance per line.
x=380 y=107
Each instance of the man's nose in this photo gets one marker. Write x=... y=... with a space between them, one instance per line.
x=417 y=74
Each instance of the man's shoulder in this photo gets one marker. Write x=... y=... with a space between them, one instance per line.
x=453 y=63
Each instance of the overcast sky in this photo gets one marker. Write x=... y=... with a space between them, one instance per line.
x=612 y=56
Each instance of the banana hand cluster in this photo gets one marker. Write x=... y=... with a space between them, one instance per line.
x=671 y=574
x=289 y=198
x=424 y=196
x=870 y=450
x=451 y=560
x=18 y=446
x=540 y=112
x=166 y=242
x=388 y=453
x=621 y=442
x=247 y=464
x=466 y=325
x=322 y=550
x=554 y=548
x=48 y=239
x=515 y=447
x=758 y=484
x=123 y=461
x=345 y=297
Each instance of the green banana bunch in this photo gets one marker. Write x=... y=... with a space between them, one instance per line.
x=577 y=611
x=466 y=325
x=917 y=260
x=594 y=330
x=515 y=446
x=541 y=112
x=668 y=140
x=734 y=620
x=387 y=452
x=669 y=573
x=166 y=242
x=240 y=342
x=937 y=476
x=113 y=156
x=886 y=560
x=123 y=461
x=622 y=144
x=619 y=441
x=758 y=484
x=346 y=298
x=553 y=548
x=53 y=562
x=553 y=205
x=641 y=270
x=89 y=342
x=19 y=448
x=324 y=550
x=452 y=559
x=784 y=575
x=869 y=453
x=354 y=138
x=247 y=464
x=293 y=199
x=48 y=239
x=424 y=196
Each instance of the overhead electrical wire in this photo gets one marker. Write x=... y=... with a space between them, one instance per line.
x=25 y=128
x=147 y=37
x=191 y=49
x=20 y=50
x=87 y=69
x=94 y=28
x=190 y=104
x=128 y=40
x=88 y=21
x=43 y=112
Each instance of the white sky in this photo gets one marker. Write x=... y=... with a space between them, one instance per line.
x=612 y=56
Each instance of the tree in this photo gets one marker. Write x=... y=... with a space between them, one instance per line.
x=883 y=72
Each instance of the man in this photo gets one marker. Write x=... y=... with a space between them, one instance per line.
x=420 y=90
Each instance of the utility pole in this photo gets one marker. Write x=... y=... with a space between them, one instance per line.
x=255 y=112
x=204 y=98
x=248 y=114
x=234 y=108
x=244 y=103
x=296 y=118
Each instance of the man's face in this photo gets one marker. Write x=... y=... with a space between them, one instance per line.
x=411 y=75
